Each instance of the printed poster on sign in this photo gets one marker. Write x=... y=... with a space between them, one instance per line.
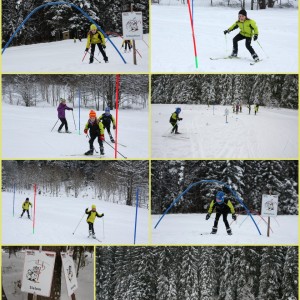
x=269 y=205
x=132 y=23
x=38 y=272
x=70 y=273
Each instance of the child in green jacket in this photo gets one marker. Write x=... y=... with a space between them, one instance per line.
x=248 y=29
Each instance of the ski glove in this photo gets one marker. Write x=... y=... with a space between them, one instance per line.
x=207 y=216
x=226 y=31
x=114 y=127
x=103 y=46
x=85 y=131
x=86 y=49
x=102 y=215
x=180 y=119
x=234 y=217
x=102 y=137
x=255 y=37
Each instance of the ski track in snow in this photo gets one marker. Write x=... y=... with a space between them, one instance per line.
x=272 y=133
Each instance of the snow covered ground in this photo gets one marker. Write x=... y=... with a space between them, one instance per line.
x=12 y=269
x=272 y=133
x=66 y=56
x=194 y=229
x=172 y=44
x=30 y=136
x=57 y=218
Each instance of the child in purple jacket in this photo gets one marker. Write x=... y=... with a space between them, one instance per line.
x=62 y=114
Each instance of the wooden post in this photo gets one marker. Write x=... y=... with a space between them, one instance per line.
x=268 y=232
x=133 y=42
x=73 y=297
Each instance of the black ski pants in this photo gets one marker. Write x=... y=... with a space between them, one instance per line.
x=240 y=37
x=27 y=210
x=91 y=141
x=63 y=123
x=107 y=127
x=93 y=46
x=91 y=227
x=175 y=127
x=218 y=215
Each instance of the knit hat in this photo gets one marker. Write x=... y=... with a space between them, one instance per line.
x=92 y=114
x=243 y=12
x=93 y=27
x=62 y=100
x=93 y=206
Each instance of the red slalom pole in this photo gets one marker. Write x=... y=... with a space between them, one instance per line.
x=33 y=224
x=193 y=33
x=117 y=112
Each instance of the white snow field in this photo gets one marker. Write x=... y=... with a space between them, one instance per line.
x=12 y=270
x=57 y=218
x=172 y=44
x=272 y=133
x=66 y=56
x=194 y=229
x=30 y=136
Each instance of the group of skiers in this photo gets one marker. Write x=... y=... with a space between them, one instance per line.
x=94 y=126
x=237 y=107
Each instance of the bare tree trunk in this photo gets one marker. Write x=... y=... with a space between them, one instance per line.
x=3 y=294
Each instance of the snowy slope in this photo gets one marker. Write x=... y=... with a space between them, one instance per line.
x=12 y=269
x=57 y=218
x=31 y=136
x=66 y=56
x=272 y=133
x=194 y=229
x=172 y=45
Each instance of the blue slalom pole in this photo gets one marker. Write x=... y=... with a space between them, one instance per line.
x=60 y=3
x=14 y=198
x=136 y=213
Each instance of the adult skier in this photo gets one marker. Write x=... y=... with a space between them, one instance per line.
x=61 y=109
x=92 y=214
x=223 y=207
x=96 y=131
x=248 y=29
x=94 y=38
x=106 y=118
x=174 y=120
x=25 y=207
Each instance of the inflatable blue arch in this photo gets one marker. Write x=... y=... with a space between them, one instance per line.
x=60 y=3
x=235 y=195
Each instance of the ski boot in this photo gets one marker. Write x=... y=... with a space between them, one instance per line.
x=233 y=54
x=176 y=132
x=67 y=131
x=91 y=60
x=111 y=139
x=90 y=233
x=90 y=152
x=106 y=60
x=94 y=236
x=255 y=57
x=229 y=232
x=214 y=230
x=101 y=150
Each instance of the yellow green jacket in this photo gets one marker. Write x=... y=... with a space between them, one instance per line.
x=92 y=215
x=96 y=38
x=174 y=117
x=225 y=207
x=247 y=28
x=26 y=205
x=95 y=127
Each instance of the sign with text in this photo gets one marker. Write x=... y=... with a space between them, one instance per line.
x=38 y=272
x=70 y=273
x=132 y=23
x=269 y=205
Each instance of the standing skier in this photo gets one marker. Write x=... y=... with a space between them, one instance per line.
x=255 y=108
x=127 y=43
x=107 y=119
x=223 y=207
x=248 y=29
x=96 y=131
x=92 y=214
x=174 y=120
x=61 y=109
x=25 y=207
x=94 y=38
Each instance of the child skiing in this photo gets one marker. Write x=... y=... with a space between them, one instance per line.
x=174 y=120
x=248 y=29
x=25 y=207
x=61 y=109
x=96 y=131
x=94 y=38
x=127 y=43
x=107 y=119
x=223 y=207
x=256 y=108
x=92 y=214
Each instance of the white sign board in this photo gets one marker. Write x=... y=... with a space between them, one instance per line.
x=70 y=273
x=269 y=205
x=38 y=272
x=132 y=23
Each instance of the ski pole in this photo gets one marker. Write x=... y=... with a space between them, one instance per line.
x=74 y=120
x=225 y=44
x=54 y=125
x=85 y=55
x=79 y=223
x=94 y=57
x=103 y=229
x=262 y=48
x=87 y=135
x=138 y=53
x=113 y=148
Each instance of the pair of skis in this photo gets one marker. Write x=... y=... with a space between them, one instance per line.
x=232 y=57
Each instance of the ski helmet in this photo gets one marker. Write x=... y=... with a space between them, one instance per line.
x=93 y=206
x=178 y=110
x=92 y=114
x=93 y=27
x=220 y=197
x=107 y=110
